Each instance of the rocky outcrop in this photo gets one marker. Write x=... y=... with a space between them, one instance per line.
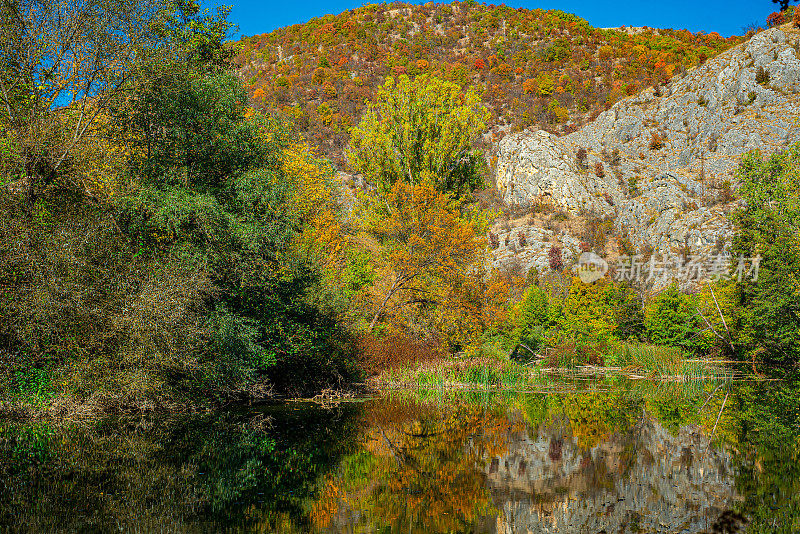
x=661 y=164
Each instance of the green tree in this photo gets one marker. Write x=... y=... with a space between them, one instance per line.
x=628 y=312
x=532 y=318
x=420 y=131
x=672 y=319
x=213 y=184
x=769 y=227
x=66 y=65
x=189 y=284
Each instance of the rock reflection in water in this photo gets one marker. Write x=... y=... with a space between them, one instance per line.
x=581 y=462
x=644 y=480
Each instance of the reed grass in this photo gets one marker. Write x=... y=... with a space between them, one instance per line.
x=624 y=360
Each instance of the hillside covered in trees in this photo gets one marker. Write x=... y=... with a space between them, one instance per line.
x=548 y=70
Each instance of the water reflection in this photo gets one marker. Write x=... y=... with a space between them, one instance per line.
x=640 y=480
x=618 y=459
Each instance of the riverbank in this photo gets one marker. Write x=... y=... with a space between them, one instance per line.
x=488 y=370
x=634 y=361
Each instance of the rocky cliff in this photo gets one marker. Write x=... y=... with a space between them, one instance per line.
x=655 y=172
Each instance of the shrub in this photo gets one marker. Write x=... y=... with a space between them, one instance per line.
x=545 y=85
x=587 y=316
x=555 y=258
x=633 y=185
x=762 y=76
x=580 y=159
x=615 y=157
x=494 y=241
x=656 y=141
x=532 y=318
x=726 y=192
x=671 y=319
x=627 y=310
x=376 y=354
x=599 y=171
x=775 y=19
x=560 y=215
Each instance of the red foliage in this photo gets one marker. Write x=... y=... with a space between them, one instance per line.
x=480 y=64
x=775 y=19
x=555 y=258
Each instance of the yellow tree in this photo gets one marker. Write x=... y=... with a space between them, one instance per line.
x=420 y=130
x=587 y=315
x=315 y=200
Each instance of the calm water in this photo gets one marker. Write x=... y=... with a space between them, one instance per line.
x=586 y=457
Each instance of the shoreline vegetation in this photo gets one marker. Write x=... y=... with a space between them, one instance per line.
x=165 y=246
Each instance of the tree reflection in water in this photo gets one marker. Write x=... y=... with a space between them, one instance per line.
x=620 y=459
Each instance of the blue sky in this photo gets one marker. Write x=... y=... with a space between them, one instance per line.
x=725 y=17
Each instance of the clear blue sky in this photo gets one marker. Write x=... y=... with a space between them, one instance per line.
x=727 y=18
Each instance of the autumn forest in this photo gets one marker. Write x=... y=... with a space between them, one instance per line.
x=304 y=281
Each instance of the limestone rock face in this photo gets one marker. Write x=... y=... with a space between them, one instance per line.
x=538 y=167
x=661 y=166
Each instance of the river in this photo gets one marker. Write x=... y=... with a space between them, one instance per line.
x=591 y=456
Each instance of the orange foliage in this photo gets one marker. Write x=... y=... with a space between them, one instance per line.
x=315 y=200
x=427 y=246
x=775 y=19
x=368 y=33
x=529 y=86
x=425 y=467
